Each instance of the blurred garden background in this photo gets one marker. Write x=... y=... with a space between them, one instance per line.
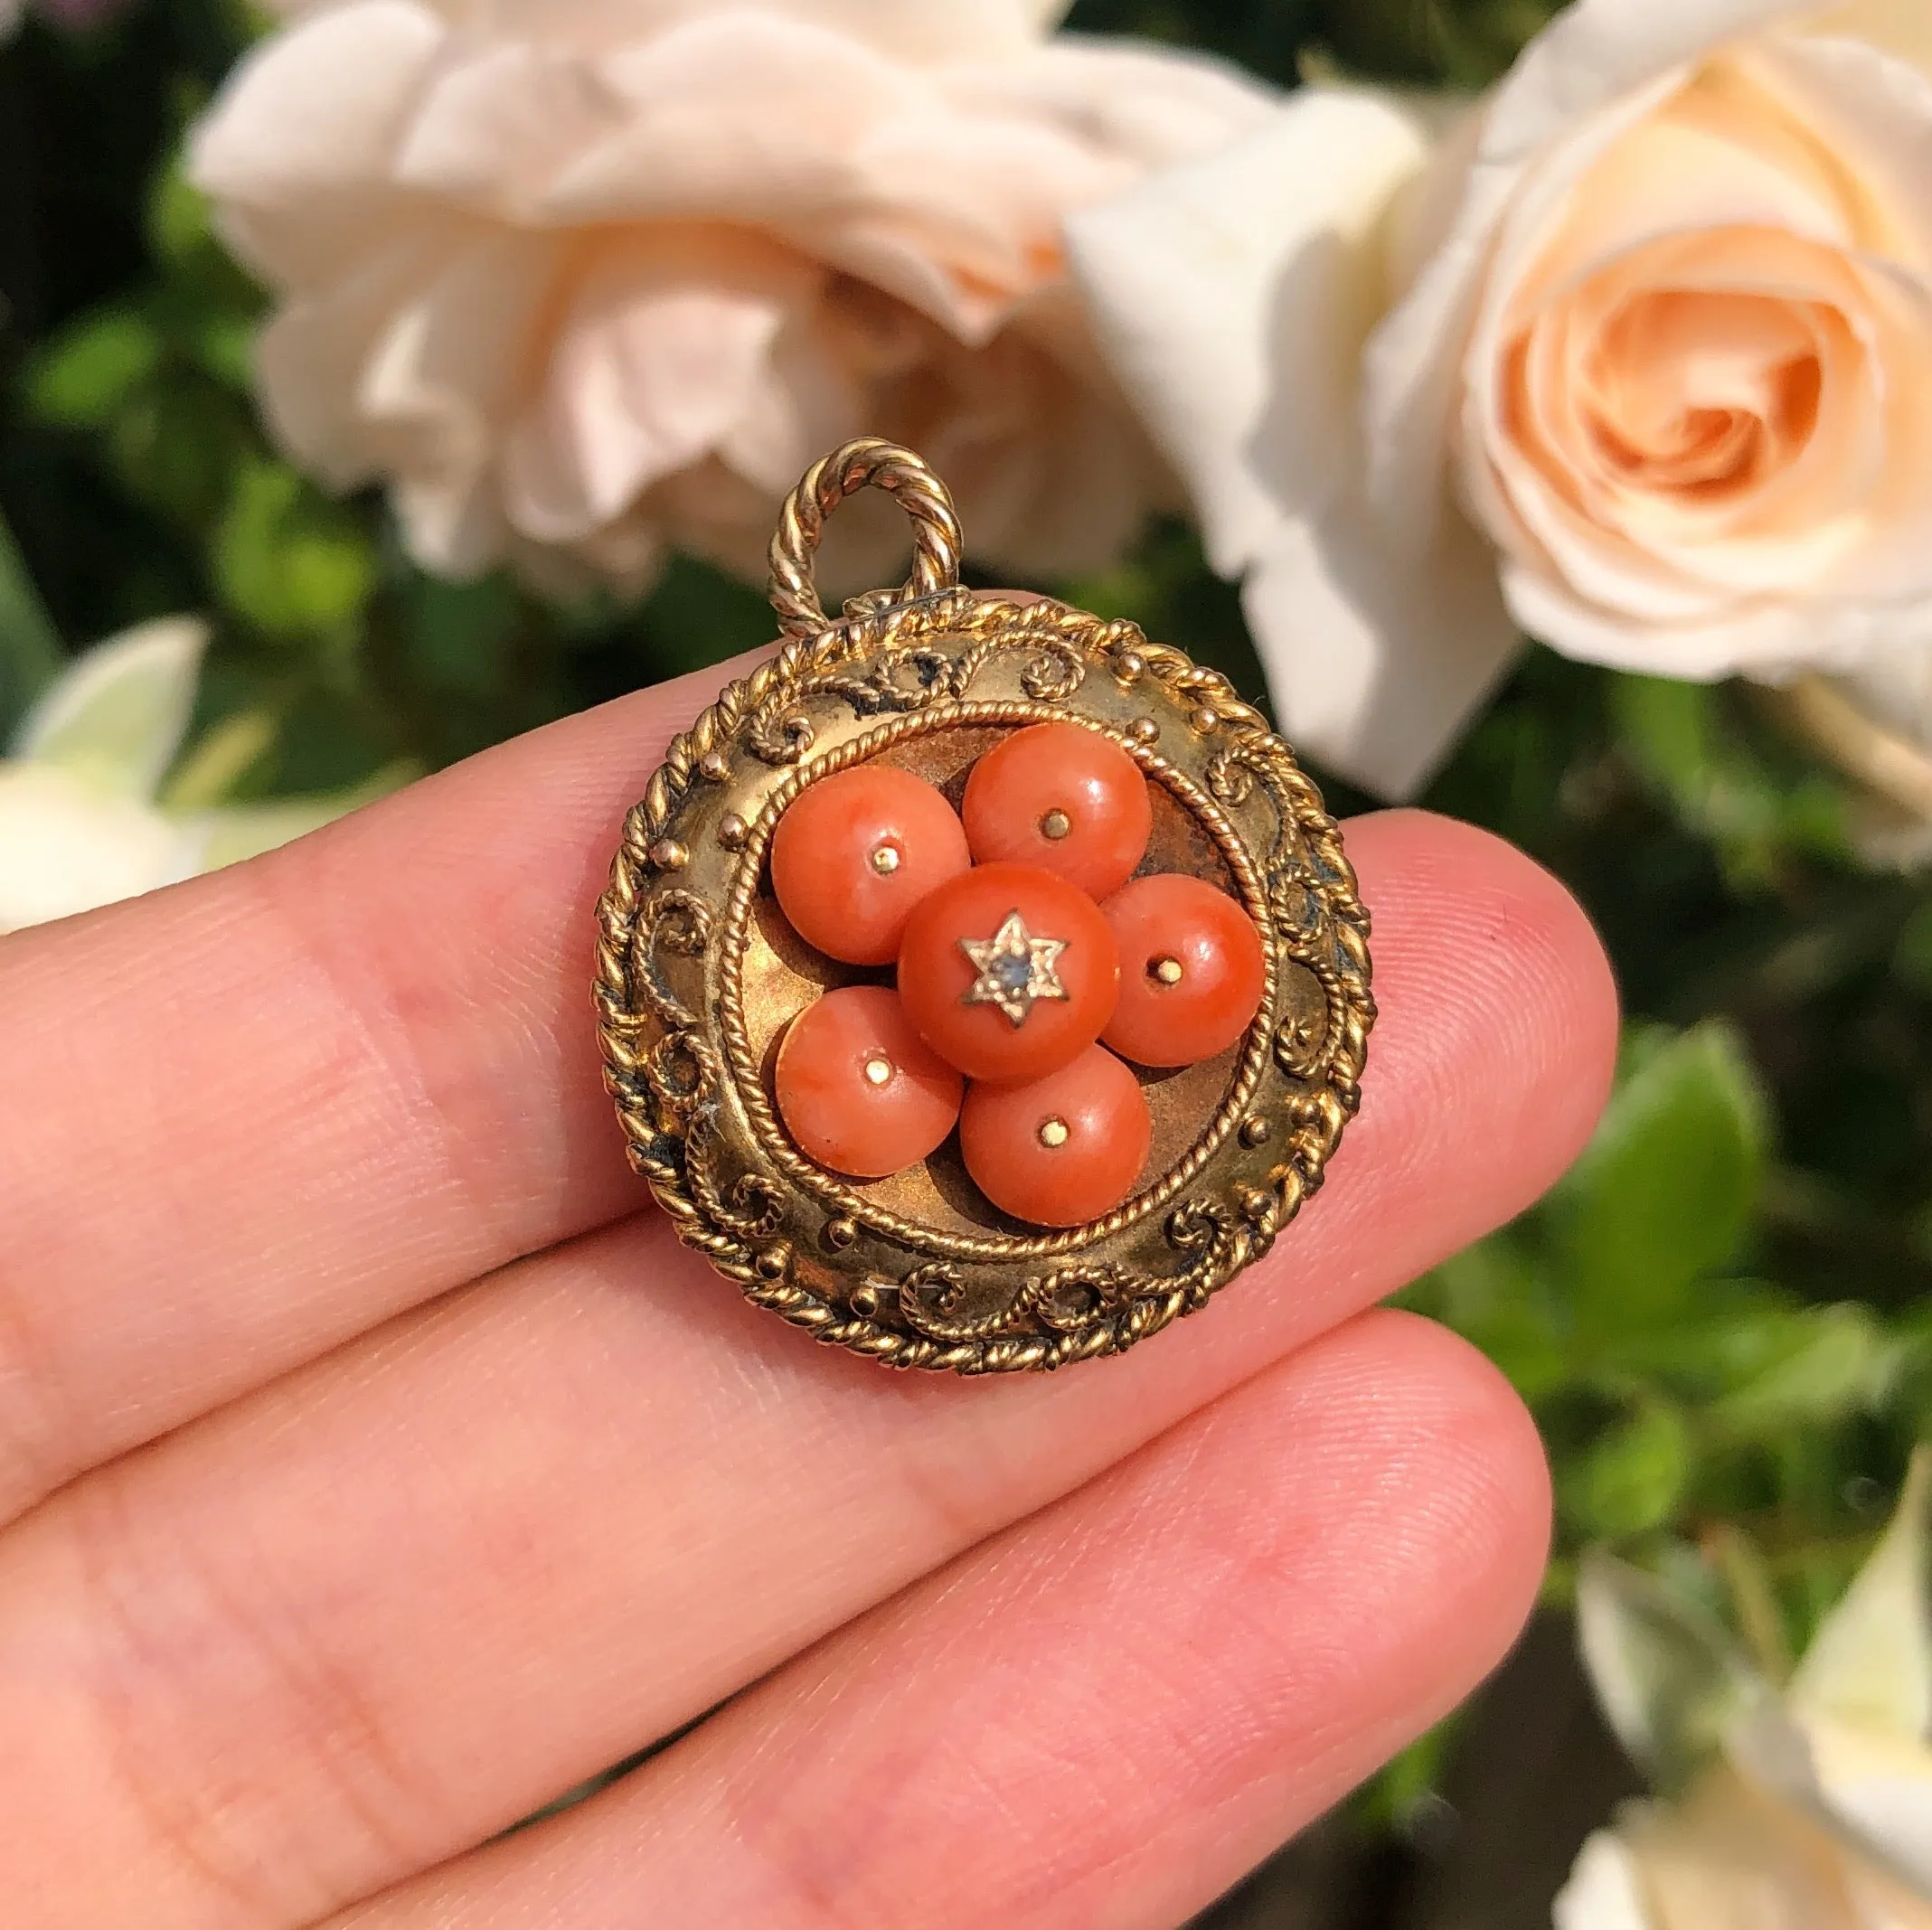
x=1721 y=1321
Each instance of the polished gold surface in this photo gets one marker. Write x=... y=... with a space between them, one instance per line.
x=698 y=974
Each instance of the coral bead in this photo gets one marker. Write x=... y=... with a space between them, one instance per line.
x=1063 y=1149
x=1069 y=800
x=858 y=1089
x=1192 y=970
x=857 y=851
x=1008 y=972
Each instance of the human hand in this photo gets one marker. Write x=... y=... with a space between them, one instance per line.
x=377 y=1466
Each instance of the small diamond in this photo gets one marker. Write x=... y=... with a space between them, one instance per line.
x=1016 y=970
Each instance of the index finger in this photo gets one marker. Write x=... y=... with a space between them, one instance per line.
x=250 y=1118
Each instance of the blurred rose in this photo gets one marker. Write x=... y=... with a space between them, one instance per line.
x=1817 y=1812
x=581 y=278
x=1635 y=355
x=80 y=822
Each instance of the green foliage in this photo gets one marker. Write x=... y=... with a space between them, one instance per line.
x=1678 y=1383
x=30 y=647
x=1665 y=1192
x=286 y=560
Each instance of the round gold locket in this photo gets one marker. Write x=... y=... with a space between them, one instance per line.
x=698 y=974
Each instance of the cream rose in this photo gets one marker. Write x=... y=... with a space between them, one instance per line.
x=80 y=821
x=1815 y=1812
x=1634 y=354
x=582 y=279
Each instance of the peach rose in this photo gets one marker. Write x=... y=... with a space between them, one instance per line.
x=582 y=279
x=1635 y=355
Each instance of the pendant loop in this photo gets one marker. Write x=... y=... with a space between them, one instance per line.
x=869 y=463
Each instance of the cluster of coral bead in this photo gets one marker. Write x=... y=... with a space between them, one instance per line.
x=1032 y=968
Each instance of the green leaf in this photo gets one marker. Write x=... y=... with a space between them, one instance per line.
x=31 y=655
x=1720 y=781
x=87 y=376
x=177 y=454
x=1666 y=1189
x=287 y=561
x=1631 y=1480
x=1408 y=1788
x=178 y=215
x=1806 y=1368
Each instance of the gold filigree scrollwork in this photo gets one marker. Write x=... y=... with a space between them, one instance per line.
x=750 y=1206
x=905 y=681
x=930 y=1299
x=1054 y=676
x=1079 y=1299
x=690 y=1095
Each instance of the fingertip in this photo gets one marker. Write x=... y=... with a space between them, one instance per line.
x=1484 y=1523
x=1498 y=1009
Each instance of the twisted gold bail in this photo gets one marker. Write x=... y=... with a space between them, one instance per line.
x=868 y=463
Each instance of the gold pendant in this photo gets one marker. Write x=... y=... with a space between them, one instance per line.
x=701 y=976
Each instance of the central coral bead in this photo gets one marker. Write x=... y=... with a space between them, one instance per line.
x=1008 y=972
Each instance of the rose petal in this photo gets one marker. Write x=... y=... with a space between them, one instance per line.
x=299 y=147
x=114 y=717
x=1233 y=295
x=1377 y=660
x=1603 y=1891
x=66 y=848
x=661 y=356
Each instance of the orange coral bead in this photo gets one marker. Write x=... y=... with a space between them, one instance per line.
x=1192 y=970
x=1069 y=800
x=858 y=1089
x=857 y=851
x=1062 y=1150
x=1008 y=972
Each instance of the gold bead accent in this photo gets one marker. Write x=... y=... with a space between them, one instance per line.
x=732 y=832
x=1055 y=826
x=1144 y=730
x=1257 y=1204
x=839 y=1235
x=1206 y=718
x=1054 y=1134
x=668 y=855
x=1166 y=971
x=1130 y=666
x=774 y=1262
x=713 y=767
x=879 y=1071
x=1256 y=1132
x=886 y=860
x=865 y=1299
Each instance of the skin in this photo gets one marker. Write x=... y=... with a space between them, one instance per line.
x=374 y=1464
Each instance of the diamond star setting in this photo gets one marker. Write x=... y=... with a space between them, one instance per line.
x=1016 y=970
